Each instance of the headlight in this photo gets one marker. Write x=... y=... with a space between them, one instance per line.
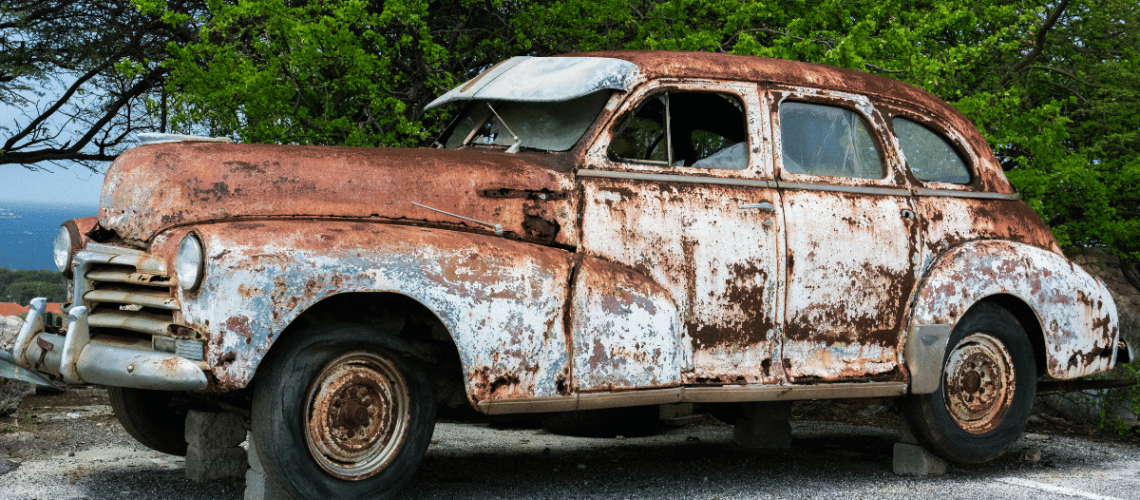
x=61 y=250
x=188 y=263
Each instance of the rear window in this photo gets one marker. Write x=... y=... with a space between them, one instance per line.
x=930 y=157
x=828 y=141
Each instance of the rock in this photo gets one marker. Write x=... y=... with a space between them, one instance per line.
x=1030 y=455
x=12 y=392
x=9 y=328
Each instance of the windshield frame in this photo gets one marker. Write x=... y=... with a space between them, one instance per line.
x=500 y=112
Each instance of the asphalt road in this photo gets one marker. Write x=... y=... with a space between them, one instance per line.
x=74 y=449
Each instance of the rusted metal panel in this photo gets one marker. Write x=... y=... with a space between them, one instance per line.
x=948 y=221
x=544 y=79
x=501 y=300
x=209 y=182
x=718 y=263
x=1076 y=312
x=852 y=261
x=625 y=331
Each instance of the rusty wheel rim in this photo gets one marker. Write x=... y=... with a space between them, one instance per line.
x=979 y=383
x=356 y=415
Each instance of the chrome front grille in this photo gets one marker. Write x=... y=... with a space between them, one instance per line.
x=125 y=289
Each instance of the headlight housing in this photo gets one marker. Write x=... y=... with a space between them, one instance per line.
x=61 y=249
x=188 y=263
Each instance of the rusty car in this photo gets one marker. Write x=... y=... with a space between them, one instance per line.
x=592 y=231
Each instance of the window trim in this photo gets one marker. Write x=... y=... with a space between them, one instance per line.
x=893 y=177
x=933 y=126
x=755 y=114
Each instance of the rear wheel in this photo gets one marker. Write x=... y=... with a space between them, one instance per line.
x=342 y=412
x=154 y=418
x=989 y=378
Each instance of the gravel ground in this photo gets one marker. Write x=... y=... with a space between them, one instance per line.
x=71 y=447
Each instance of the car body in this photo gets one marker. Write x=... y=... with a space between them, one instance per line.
x=595 y=231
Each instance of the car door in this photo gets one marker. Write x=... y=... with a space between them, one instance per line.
x=678 y=189
x=852 y=238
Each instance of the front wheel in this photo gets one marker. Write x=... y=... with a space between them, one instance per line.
x=154 y=418
x=342 y=412
x=989 y=378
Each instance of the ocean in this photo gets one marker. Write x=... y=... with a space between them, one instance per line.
x=25 y=242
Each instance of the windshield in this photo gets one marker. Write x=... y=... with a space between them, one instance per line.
x=552 y=126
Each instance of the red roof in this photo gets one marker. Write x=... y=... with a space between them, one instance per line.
x=14 y=309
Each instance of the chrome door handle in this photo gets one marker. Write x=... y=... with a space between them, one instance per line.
x=764 y=206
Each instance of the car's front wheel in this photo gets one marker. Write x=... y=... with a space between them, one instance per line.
x=989 y=378
x=342 y=412
x=156 y=419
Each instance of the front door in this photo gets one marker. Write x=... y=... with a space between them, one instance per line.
x=851 y=239
x=677 y=190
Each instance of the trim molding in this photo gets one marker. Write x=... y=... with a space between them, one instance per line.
x=723 y=394
x=965 y=194
x=834 y=188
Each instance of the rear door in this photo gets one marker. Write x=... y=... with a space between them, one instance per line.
x=852 y=238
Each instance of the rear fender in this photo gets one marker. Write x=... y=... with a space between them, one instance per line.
x=1076 y=313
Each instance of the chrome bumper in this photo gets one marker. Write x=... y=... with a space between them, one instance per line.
x=79 y=359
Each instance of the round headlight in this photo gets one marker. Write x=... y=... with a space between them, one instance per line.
x=188 y=263
x=61 y=249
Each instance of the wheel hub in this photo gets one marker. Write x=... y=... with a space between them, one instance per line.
x=356 y=415
x=979 y=383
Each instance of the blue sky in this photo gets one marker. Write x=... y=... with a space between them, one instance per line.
x=73 y=186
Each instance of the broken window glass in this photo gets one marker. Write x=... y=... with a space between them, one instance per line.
x=692 y=129
x=828 y=141
x=551 y=126
x=930 y=157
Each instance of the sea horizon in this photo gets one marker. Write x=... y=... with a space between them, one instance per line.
x=26 y=237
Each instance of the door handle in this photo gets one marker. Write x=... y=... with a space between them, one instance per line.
x=764 y=206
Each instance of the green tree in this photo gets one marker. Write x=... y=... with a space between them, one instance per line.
x=79 y=77
x=1053 y=85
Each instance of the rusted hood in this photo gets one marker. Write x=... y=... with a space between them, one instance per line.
x=151 y=188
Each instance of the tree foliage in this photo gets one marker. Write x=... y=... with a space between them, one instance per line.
x=1053 y=84
x=80 y=77
x=21 y=286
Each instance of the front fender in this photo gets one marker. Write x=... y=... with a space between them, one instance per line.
x=1075 y=310
x=501 y=300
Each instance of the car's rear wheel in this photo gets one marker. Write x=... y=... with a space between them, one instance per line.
x=153 y=418
x=342 y=412
x=989 y=378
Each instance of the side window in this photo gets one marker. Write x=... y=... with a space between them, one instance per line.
x=829 y=141
x=930 y=157
x=690 y=129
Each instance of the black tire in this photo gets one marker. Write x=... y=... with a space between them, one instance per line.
x=342 y=412
x=975 y=416
x=151 y=417
x=609 y=422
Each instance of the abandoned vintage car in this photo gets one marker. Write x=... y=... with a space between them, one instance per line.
x=592 y=231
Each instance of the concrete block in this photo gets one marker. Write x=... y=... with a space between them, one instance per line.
x=763 y=434
x=259 y=487
x=254 y=459
x=767 y=410
x=914 y=460
x=905 y=434
x=208 y=429
x=211 y=464
x=675 y=410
